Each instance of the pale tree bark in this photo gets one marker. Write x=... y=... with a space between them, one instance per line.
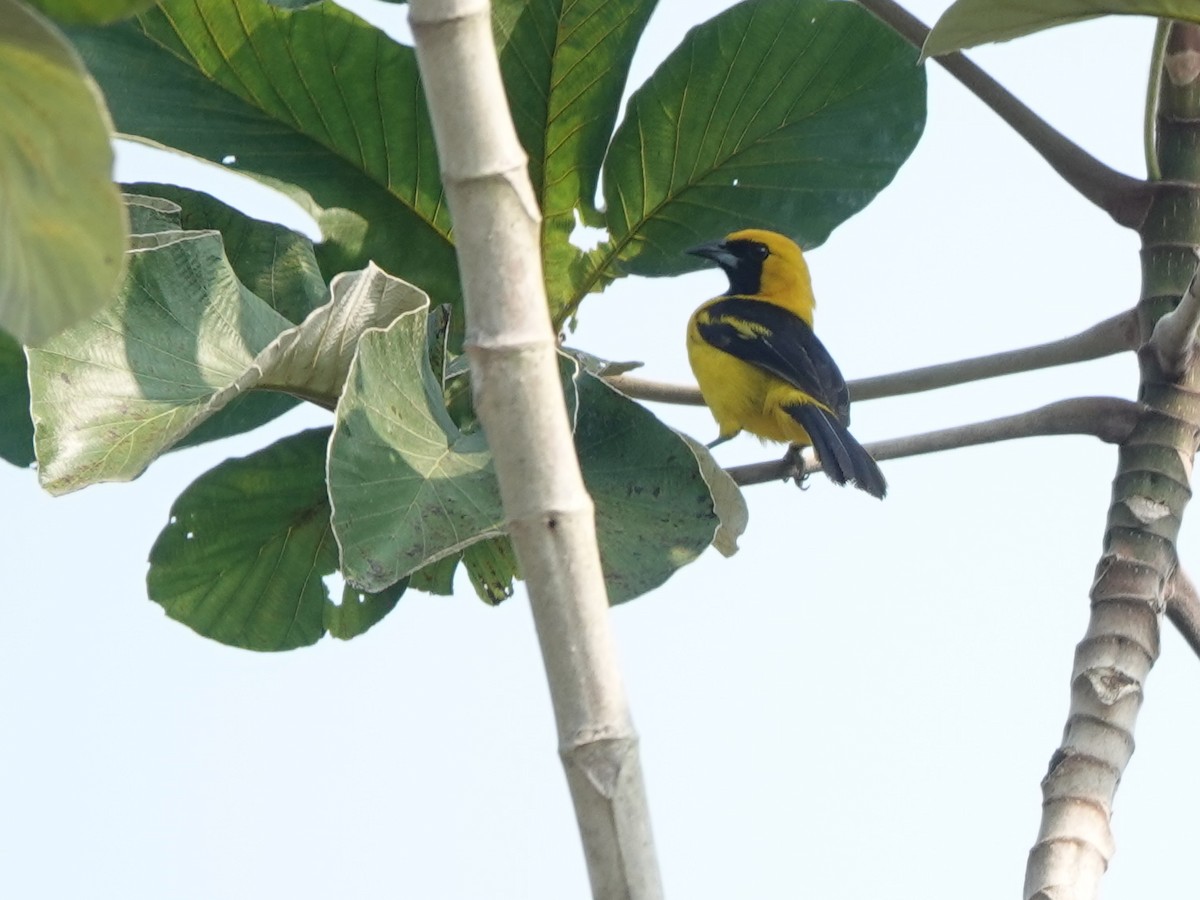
x=518 y=395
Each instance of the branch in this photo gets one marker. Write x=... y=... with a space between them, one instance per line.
x=1124 y=198
x=656 y=391
x=1104 y=339
x=514 y=373
x=1174 y=336
x=1110 y=419
x=1183 y=608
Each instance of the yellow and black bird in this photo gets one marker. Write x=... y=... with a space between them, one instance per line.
x=759 y=365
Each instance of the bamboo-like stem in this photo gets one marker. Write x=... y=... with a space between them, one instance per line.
x=1183 y=608
x=1106 y=338
x=1173 y=340
x=1123 y=197
x=1110 y=419
x=1138 y=568
x=514 y=373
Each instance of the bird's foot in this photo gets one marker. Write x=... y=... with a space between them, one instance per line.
x=794 y=468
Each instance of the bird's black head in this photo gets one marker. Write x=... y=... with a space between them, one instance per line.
x=741 y=257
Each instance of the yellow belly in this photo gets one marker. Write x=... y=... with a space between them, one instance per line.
x=744 y=397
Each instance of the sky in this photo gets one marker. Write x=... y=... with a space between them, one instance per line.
x=861 y=703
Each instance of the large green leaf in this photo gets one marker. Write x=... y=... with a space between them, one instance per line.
x=184 y=339
x=247 y=546
x=277 y=264
x=784 y=114
x=271 y=259
x=655 y=511
x=63 y=244
x=314 y=101
x=409 y=489
x=16 y=428
x=91 y=12
x=969 y=23
x=565 y=63
x=117 y=390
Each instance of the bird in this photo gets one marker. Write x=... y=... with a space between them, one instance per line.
x=761 y=368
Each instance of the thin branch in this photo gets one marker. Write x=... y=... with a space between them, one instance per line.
x=1173 y=340
x=1106 y=338
x=1111 y=336
x=1110 y=419
x=514 y=374
x=656 y=391
x=1183 y=608
x=1123 y=197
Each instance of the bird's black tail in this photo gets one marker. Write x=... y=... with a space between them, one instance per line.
x=842 y=457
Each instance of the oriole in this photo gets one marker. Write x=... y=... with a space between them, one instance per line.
x=760 y=367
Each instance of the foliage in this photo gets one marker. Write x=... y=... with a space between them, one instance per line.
x=969 y=23
x=788 y=113
x=55 y=183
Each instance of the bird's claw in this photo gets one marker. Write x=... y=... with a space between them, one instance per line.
x=794 y=468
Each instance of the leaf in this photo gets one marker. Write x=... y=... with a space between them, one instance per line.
x=437 y=577
x=243 y=413
x=969 y=23
x=273 y=261
x=16 y=428
x=492 y=567
x=314 y=359
x=314 y=101
x=358 y=612
x=247 y=546
x=409 y=489
x=565 y=65
x=277 y=264
x=90 y=12
x=728 y=501
x=183 y=340
x=114 y=392
x=151 y=215
x=654 y=511
x=783 y=114
x=65 y=232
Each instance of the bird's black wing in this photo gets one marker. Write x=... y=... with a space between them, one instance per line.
x=772 y=338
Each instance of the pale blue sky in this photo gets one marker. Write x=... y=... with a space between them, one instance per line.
x=860 y=704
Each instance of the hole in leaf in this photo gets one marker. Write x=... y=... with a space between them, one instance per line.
x=585 y=237
x=335 y=584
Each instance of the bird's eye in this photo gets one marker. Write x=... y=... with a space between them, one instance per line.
x=760 y=251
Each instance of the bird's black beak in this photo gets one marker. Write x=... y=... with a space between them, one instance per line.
x=717 y=251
